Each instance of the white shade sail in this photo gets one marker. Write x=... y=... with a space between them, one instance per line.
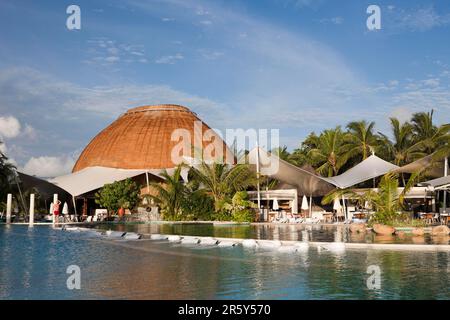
x=439 y=183
x=92 y=178
x=305 y=180
x=370 y=168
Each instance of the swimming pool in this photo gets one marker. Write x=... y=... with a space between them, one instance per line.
x=292 y=232
x=33 y=265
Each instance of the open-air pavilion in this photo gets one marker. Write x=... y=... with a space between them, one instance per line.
x=304 y=182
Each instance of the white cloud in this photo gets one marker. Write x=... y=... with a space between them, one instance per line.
x=9 y=127
x=421 y=19
x=170 y=59
x=48 y=166
x=334 y=20
x=29 y=132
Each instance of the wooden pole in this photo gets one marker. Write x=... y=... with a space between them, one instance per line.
x=31 y=218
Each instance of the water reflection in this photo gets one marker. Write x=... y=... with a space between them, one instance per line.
x=33 y=264
x=316 y=233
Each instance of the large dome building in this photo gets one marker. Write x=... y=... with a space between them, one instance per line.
x=140 y=144
x=141 y=138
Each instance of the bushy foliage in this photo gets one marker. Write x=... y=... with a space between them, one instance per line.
x=120 y=194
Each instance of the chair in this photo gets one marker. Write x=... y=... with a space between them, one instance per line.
x=89 y=219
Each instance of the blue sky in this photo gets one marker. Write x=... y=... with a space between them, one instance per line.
x=294 y=65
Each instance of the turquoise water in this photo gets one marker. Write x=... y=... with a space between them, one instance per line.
x=33 y=265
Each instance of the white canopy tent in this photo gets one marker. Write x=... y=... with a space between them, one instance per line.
x=368 y=169
x=92 y=178
x=442 y=183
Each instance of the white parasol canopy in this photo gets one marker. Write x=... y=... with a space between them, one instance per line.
x=305 y=205
x=275 y=204
x=65 y=209
x=337 y=204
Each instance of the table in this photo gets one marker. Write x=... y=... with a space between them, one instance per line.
x=359 y=215
x=327 y=216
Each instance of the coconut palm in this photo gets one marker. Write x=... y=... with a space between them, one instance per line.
x=402 y=148
x=282 y=153
x=362 y=141
x=429 y=136
x=330 y=152
x=387 y=201
x=170 y=195
x=222 y=181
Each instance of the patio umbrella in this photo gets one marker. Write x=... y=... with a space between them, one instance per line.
x=305 y=205
x=337 y=204
x=65 y=209
x=275 y=204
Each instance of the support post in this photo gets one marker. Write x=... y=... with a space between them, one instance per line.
x=55 y=200
x=31 y=218
x=445 y=191
x=8 y=208
x=148 y=182
x=344 y=207
x=310 y=206
x=257 y=178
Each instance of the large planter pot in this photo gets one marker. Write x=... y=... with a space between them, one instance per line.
x=358 y=228
x=440 y=231
x=383 y=230
x=121 y=212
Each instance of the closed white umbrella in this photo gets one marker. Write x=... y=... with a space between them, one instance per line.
x=337 y=204
x=275 y=204
x=305 y=205
x=65 y=209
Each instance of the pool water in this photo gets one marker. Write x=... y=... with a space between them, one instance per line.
x=33 y=265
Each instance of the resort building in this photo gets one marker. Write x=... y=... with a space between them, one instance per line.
x=140 y=144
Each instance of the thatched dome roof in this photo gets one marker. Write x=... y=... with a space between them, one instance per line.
x=141 y=139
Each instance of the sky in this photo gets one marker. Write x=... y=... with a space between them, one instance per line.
x=294 y=65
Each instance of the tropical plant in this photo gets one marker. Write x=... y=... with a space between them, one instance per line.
x=429 y=136
x=387 y=201
x=222 y=181
x=6 y=175
x=240 y=207
x=198 y=205
x=329 y=152
x=361 y=139
x=120 y=194
x=170 y=195
x=282 y=153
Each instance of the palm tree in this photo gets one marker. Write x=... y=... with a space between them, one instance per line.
x=429 y=136
x=282 y=153
x=402 y=148
x=361 y=139
x=170 y=195
x=6 y=174
x=330 y=152
x=387 y=201
x=222 y=181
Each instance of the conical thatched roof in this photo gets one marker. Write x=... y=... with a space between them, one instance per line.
x=141 y=139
